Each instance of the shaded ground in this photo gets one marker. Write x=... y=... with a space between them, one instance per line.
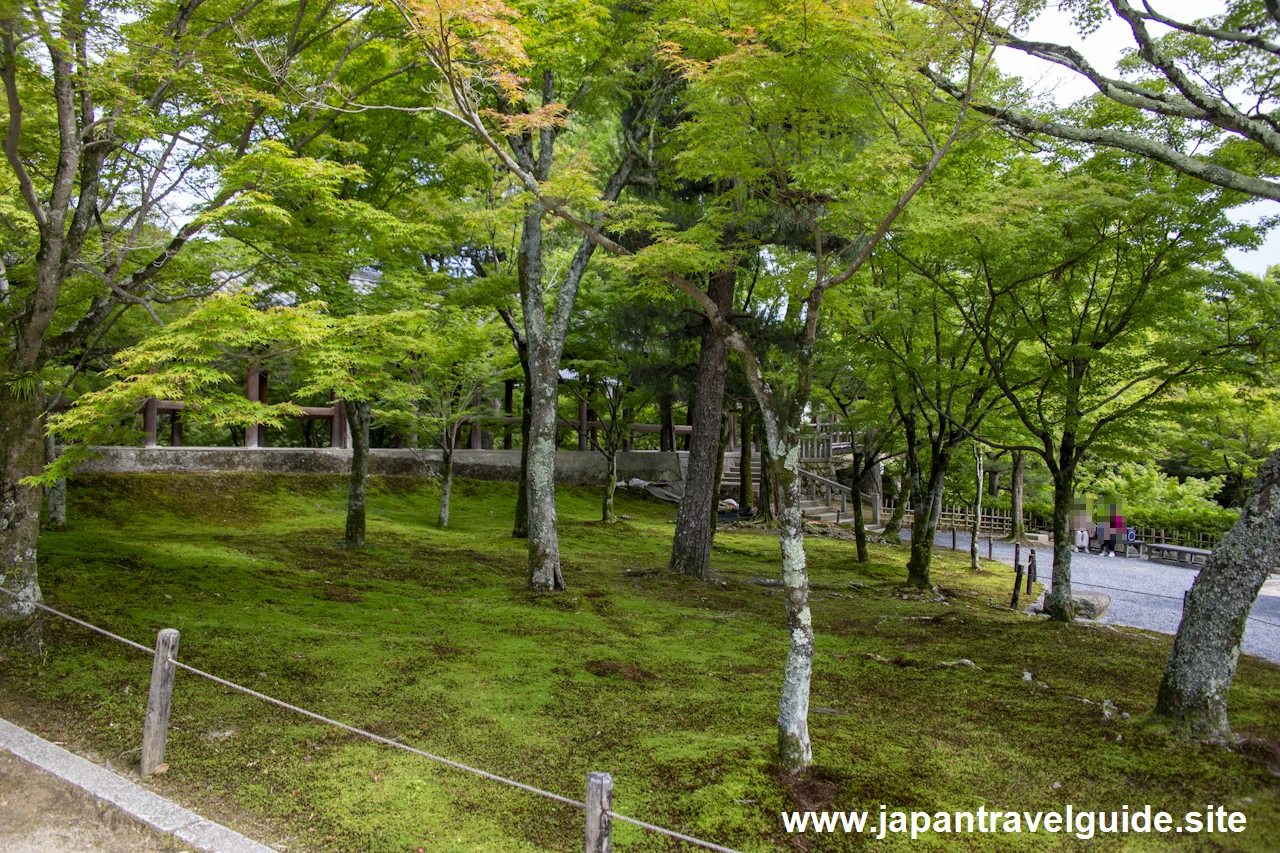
x=669 y=684
x=42 y=814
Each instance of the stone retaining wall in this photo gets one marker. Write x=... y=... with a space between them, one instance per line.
x=573 y=467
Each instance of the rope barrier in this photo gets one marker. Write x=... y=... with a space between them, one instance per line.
x=493 y=777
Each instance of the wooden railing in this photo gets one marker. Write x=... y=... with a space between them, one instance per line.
x=961 y=518
x=813 y=485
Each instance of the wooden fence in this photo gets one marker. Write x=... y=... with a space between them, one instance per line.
x=996 y=521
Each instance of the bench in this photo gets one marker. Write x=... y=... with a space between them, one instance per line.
x=1180 y=553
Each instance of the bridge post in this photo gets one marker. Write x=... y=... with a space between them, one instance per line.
x=253 y=390
x=149 y=417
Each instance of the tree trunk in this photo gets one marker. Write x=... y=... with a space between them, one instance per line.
x=794 y=750
x=691 y=545
x=359 y=414
x=924 y=521
x=715 y=488
x=1202 y=662
x=768 y=489
x=1058 y=602
x=446 y=485
x=55 y=495
x=859 y=527
x=22 y=454
x=544 y=542
x=746 y=483
x=977 y=507
x=859 y=523
x=1017 y=479
x=610 y=485
x=520 y=530
x=894 y=525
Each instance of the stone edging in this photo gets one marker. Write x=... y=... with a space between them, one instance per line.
x=140 y=804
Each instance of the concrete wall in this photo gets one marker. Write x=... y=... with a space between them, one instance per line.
x=573 y=467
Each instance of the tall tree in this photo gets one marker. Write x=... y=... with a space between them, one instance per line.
x=518 y=83
x=141 y=107
x=1210 y=80
x=1089 y=304
x=796 y=133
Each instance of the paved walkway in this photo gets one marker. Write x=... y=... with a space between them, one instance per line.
x=1144 y=593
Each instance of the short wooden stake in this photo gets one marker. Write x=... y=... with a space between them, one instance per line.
x=1031 y=570
x=599 y=804
x=953 y=535
x=989 y=546
x=156 y=728
x=1017 y=585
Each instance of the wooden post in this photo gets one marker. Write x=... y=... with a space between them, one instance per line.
x=629 y=414
x=1031 y=569
x=1017 y=553
x=262 y=398
x=953 y=534
x=252 y=389
x=477 y=437
x=582 y=424
x=156 y=728
x=599 y=804
x=1017 y=584
x=338 y=425
x=175 y=428
x=149 y=417
x=989 y=535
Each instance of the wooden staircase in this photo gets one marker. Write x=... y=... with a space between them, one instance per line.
x=823 y=497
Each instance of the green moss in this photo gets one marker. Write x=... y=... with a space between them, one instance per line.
x=670 y=684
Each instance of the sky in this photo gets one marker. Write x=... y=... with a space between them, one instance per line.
x=1103 y=48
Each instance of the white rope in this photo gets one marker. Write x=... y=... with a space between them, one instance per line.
x=378 y=738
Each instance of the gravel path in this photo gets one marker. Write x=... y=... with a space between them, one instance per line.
x=1144 y=593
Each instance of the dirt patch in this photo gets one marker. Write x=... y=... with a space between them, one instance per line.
x=339 y=593
x=625 y=671
x=40 y=813
x=1265 y=752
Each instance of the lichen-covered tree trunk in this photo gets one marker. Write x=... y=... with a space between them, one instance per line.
x=359 y=414
x=1202 y=662
x=446 y=484
x=1017 y=482
x=691 y=544
x=544 y=542
x=794 y=749
x=55 y=496
x=22 y=454
x=610 y=484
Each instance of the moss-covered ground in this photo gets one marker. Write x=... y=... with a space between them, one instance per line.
x=429 y=636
